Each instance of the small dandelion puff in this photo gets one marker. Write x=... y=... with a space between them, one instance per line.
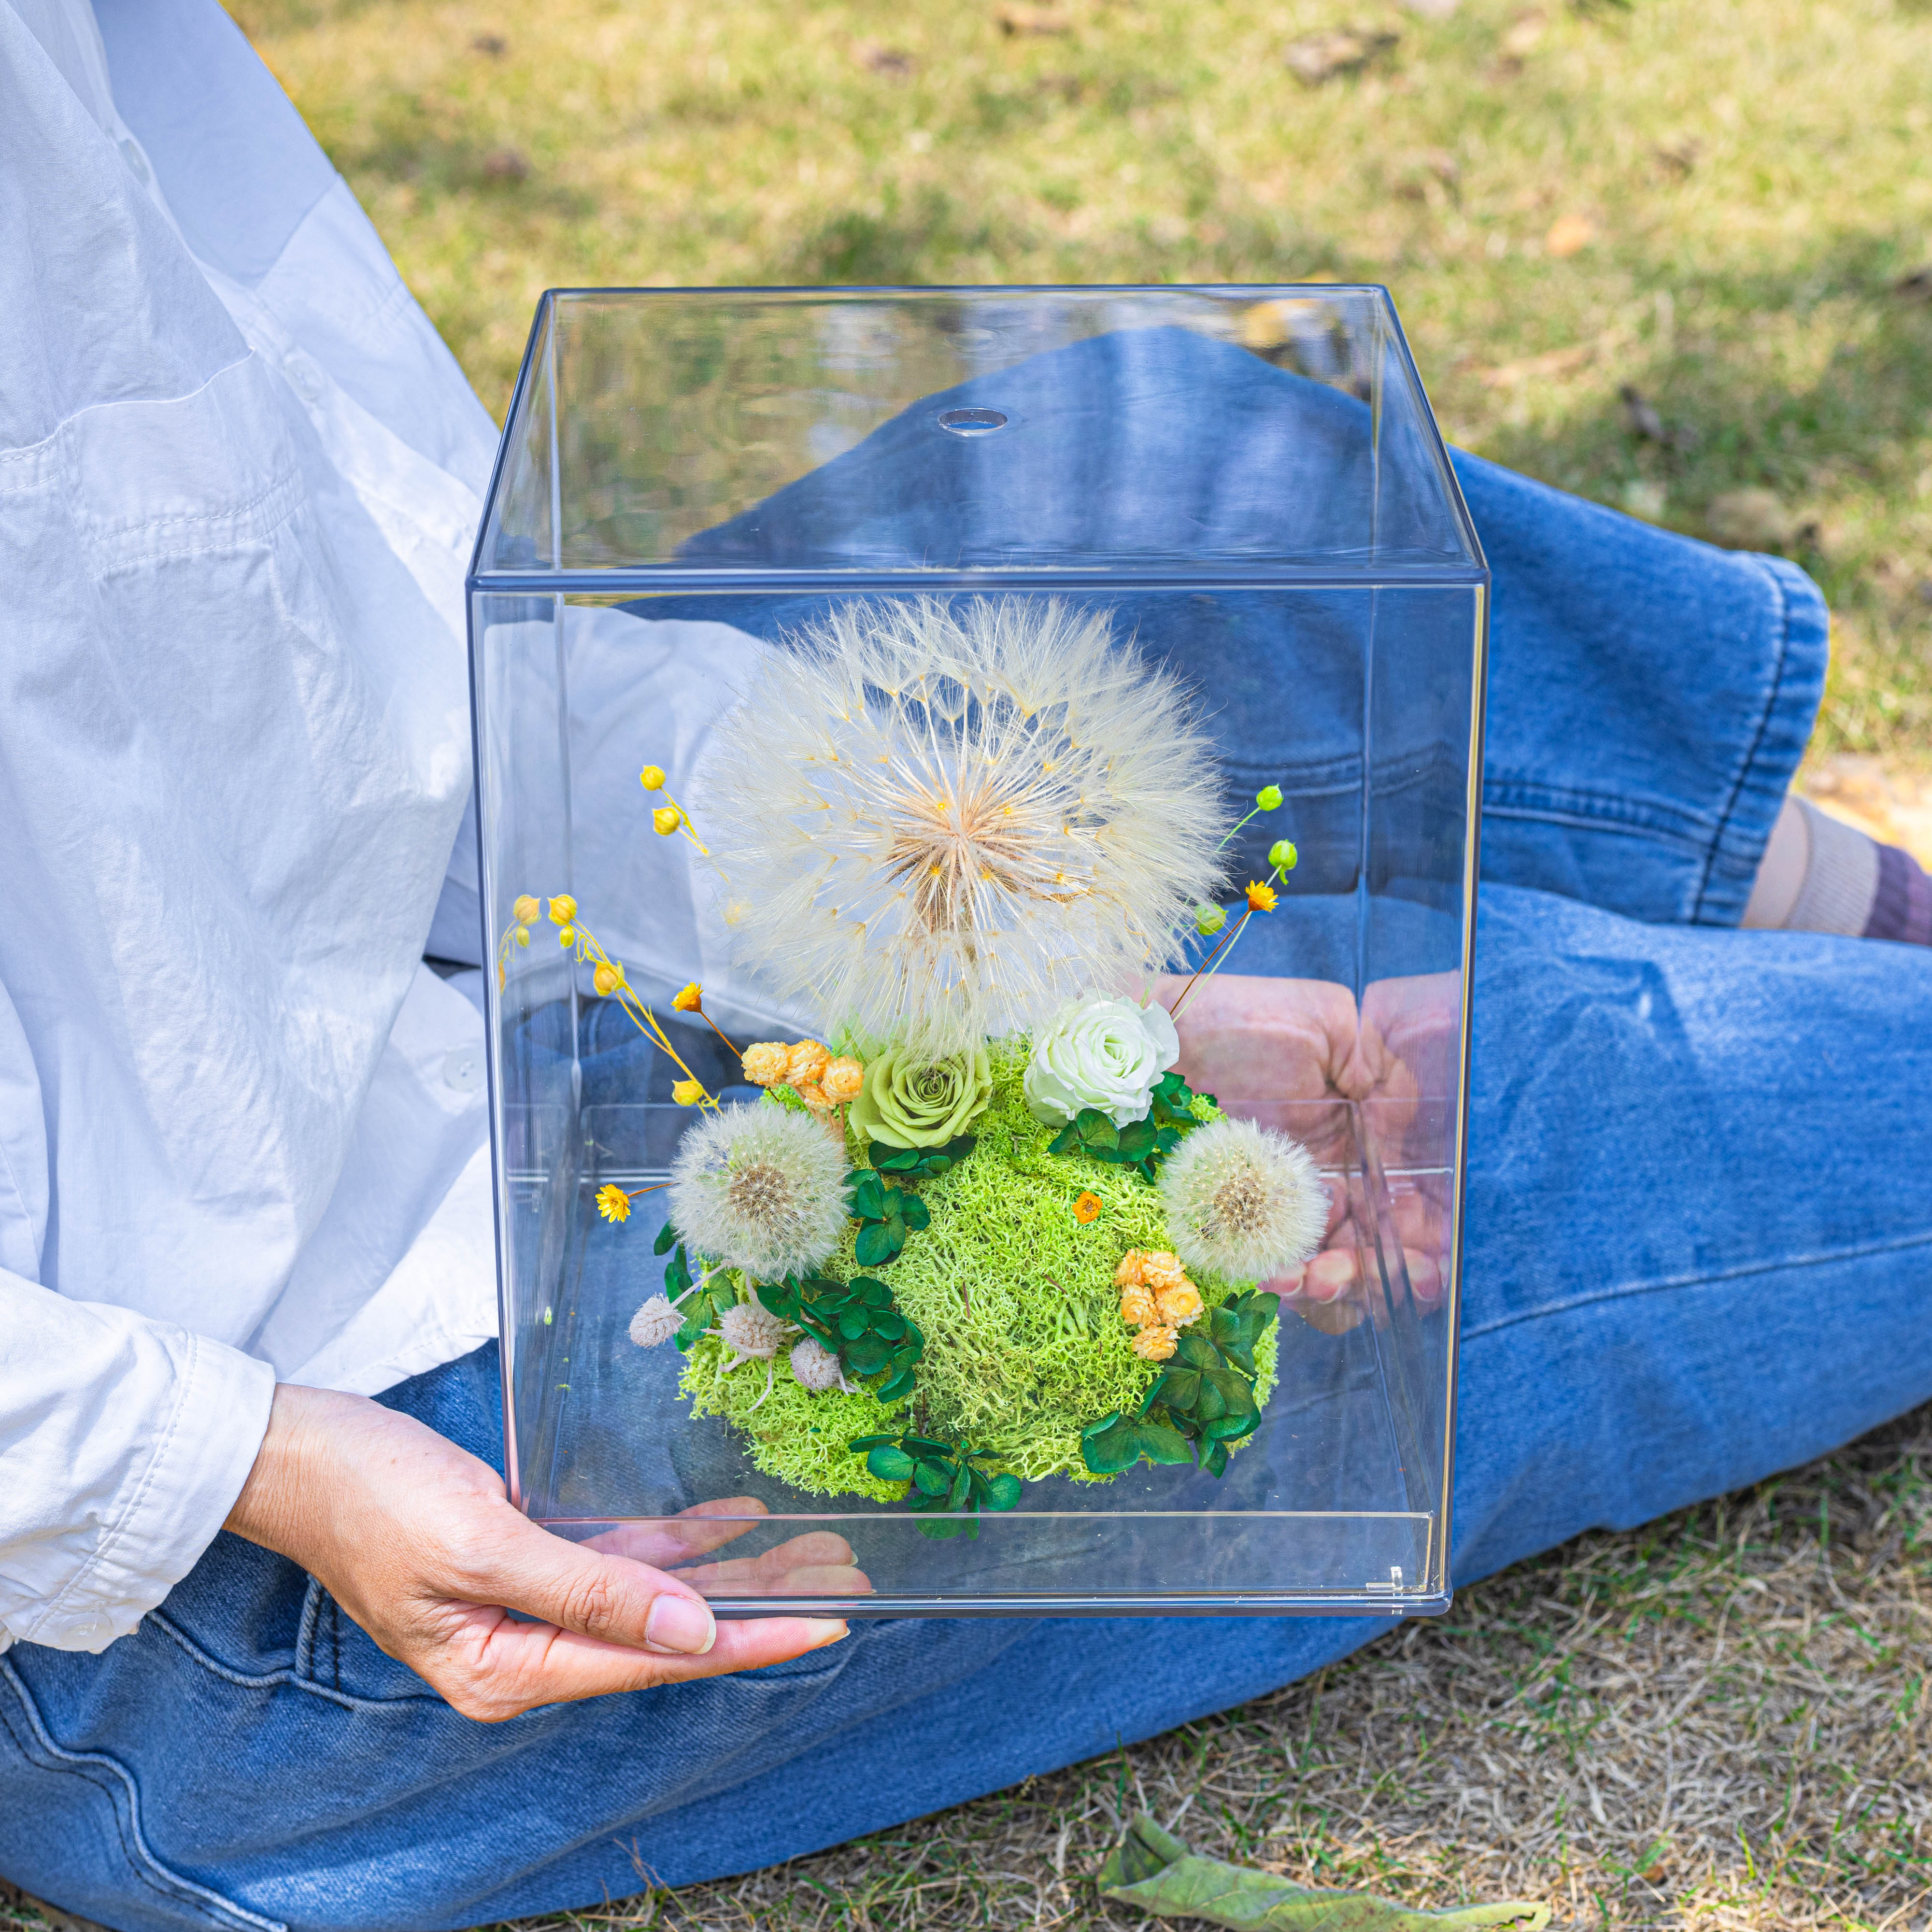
x=760 y=1188
x=816 y=1368
x=612 y=1203
x=752 y=1333
x=655 y=1323
x=945 y=819
x=1243 y=1201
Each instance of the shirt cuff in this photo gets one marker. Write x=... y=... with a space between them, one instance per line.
x=136 y=1453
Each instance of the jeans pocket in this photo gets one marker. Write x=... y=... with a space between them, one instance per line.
x=336 y=1656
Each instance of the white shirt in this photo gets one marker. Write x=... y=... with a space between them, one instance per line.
x=242 y=1129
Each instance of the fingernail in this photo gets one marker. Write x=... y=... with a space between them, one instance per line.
x=681 y=1626
x=827 y=1632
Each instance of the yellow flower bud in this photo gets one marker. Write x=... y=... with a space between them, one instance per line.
x=666 y=818
x=687 y=1093
x=607 y=978
x=526 y=908
x=690 y=1000
x=765 y=1063
x=1208 y=920
x=1283 y=856
x=567 y=936
x=522 y=935
x=1268 y=797
x=651 y=777
x=562 y=910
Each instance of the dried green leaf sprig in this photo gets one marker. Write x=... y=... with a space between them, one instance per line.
x=1204 y=1400
x=1154 y=1872
x=1142 y=1145
x=942 y=1477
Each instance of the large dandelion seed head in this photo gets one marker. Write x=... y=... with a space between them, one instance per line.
x=1242 y=1200
x=938 y=821
x=760 y=1188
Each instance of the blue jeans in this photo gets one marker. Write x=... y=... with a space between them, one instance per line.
x=1700 y=1247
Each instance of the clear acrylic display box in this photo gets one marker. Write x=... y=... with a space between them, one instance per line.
x=1246 y=486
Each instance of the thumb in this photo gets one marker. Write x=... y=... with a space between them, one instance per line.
x=610 y=1598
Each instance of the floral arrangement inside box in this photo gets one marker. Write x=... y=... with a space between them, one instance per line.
x=983 y=1233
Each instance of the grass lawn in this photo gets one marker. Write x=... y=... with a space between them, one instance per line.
x=1713 y=203
x=1718 y=1721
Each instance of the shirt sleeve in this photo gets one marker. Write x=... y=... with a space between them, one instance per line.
x=123 y=1442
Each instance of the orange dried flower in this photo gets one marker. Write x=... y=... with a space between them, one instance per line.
x=805 y=1064
x=690 y=1000
x=1178 y=1305
x=842 y=1079
x=765 y=1063
x=1161 y=1270
x=1128 y=1274
x=1155 y=1345
x=1086 y=1208
x=1261 y=897
x=525 y=908
x=562 y=910
x=607 y=978
x=1137 y=1306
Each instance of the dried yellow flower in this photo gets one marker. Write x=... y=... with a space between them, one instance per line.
x=666 y=818
x=690 y=1000
x=1137 y=1306
x=612 y=1203
x=765 y=1063
x=1161 y=1269
x=567 y=936
x=1128 y=1274
x=651 y=777
x=525 y=908
x=842 y=1080
x=1155 y=1345
x=562 y=910
x=522 y=935
x=1260 y=899
x=1086 y=1209
x=607 y=978
x=1179 y=1305
x=687 y=1093
x=806 y=1062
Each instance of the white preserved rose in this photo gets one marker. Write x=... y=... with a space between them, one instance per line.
x=1101 y=1053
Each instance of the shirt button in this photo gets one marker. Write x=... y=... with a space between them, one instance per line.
x=463 y=1070
x=304 y=378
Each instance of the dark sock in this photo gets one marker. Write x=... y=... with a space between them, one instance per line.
x=1901 y=906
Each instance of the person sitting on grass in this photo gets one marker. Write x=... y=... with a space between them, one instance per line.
x=278 y=1649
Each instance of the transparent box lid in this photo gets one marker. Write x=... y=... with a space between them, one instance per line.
x=1050 y=885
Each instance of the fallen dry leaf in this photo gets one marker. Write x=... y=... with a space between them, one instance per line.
x=1750 y=519
x=1916 y=286
x=1033 y=20
x=1569 y=234
x=876 y=59
x=506 y=164
x=1523 y=36
x=1678 y=154
x=1551 y=362
x=492 y=44
x=1321 y=57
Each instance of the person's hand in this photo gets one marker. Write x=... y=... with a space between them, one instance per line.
x=1297 y=1055
x=417 y=1540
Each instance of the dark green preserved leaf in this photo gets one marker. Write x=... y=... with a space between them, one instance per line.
x=1163 y=1445
x=877 y=1244
x=667 y=1240
x=890 y=1465
x=925 y=1445
x=1111 y=1451
x=935 y=1479
x=914 y=1212
x=870 y=1442
x=945 y=1527
x=1106 y=1422
x=1096 y=1129
x=962 y=1487
x=897 y=1387
x=868 y=1355
x=1005 y=1491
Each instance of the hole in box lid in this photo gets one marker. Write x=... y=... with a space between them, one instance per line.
x=971 y=422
